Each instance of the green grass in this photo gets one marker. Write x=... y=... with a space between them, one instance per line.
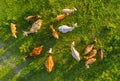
x=95 y=18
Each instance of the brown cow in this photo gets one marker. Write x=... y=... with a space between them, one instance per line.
x=61 y=16
x=31 y=17
x=100 y=53
x=35 y=52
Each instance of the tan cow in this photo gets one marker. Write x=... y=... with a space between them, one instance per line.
x=35 y=27
x=90 y=46
x=89 y=61
x=49 y=62
x=54 y=32
x=92 y=54
x=13 y=30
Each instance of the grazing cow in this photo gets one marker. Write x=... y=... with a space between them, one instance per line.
x=89 y=61
x=54 y=33
x=35 y=27
x=35 y=52
x=75 y=53
x=92 y=54
x=13 y=30
x=65 y=28
x=49 y=62
x=90 y=47
x=100 y=53
x=31 y=18
x=66 y=10
x=61 y=16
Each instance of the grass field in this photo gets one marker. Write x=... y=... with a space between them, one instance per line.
x=96 y=19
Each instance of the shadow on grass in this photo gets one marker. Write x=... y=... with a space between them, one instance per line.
x=14 y=71
x=4 y=57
